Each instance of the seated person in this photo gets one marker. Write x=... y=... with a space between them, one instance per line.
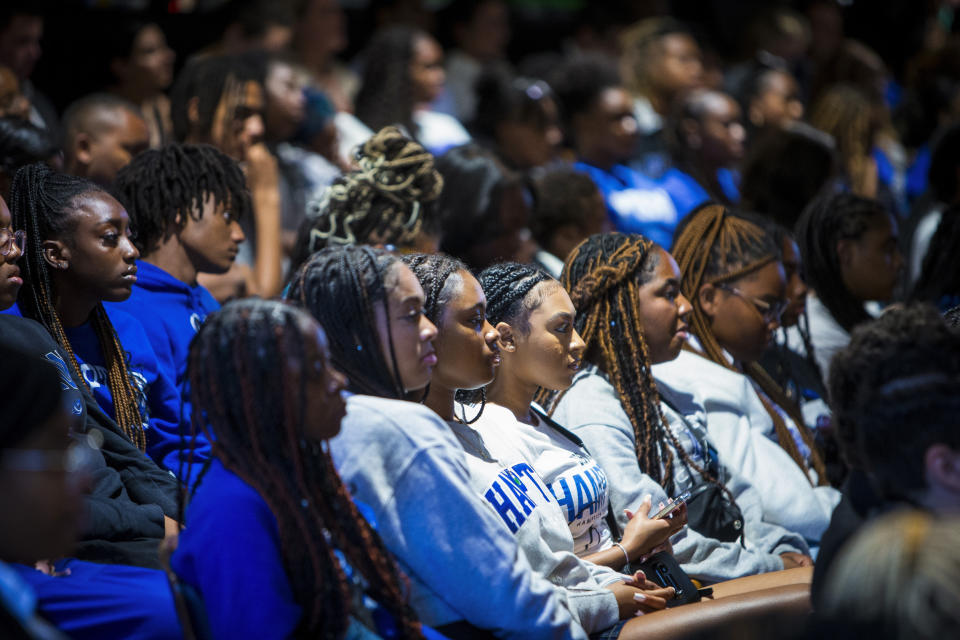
x=850 y=255
x=102 y=133
x=274 y=545
x=80 y=255
x=599 y=121
x=733 y=276
x=568 y=209
x=893 y=391
x=185 y=204
x=484 y=208
x=706 y=141
x=363 y=207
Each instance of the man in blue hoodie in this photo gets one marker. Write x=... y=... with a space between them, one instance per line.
x=185 y=202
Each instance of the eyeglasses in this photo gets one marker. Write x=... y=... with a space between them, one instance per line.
x=769 y=311
x=9 y=238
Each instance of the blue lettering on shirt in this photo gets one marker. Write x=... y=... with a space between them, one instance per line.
x=514 y=506
x=566 y=500
x=66 y=380
x=509 y=513
x=525 y=469
x=584 y=496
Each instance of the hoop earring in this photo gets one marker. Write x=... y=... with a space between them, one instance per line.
x=483 y=404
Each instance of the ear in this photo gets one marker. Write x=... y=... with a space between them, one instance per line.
x=942 y=465
x=508 y=340
x=708 y=297
x=82 y=149
x=57 y=254
x=193 y=111
x=691 y=132
x=845 y=252
x=755 y=115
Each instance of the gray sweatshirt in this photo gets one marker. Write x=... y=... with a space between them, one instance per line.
x=402 y=460
x=519 y=498
x=591 y=408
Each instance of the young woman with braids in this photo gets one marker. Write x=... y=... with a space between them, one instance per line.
x=734 y=278
x=275 y=545
x=390 y=199
x=851 y=256
x=78 y=255
x=467 y=357
x=538 y=323
x=403 y=461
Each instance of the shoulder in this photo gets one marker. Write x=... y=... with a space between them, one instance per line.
x=26 y=332
x=223 y=500
x=591 y=399
x=393 y=423
x=702 y=379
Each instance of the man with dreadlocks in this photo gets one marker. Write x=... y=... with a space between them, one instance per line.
x=219 y=100
x=390 y=199
x=185 y=204
x=732 y=274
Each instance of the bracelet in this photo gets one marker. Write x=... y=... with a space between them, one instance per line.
x=625 y=555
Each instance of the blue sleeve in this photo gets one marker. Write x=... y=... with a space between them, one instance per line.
x=230 y=553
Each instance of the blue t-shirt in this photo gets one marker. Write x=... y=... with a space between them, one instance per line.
x=230 y=553
x=157 y=398
x=635 y=203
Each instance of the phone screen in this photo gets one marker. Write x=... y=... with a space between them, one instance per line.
x=673 y=506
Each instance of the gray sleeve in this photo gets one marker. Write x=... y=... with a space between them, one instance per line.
x=706 y=559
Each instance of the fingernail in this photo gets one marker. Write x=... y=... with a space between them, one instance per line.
x=639 y=613
x=649 y=497
x=639 y=597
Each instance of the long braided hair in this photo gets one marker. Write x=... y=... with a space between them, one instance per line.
x=603 y=275
x=716 y=247
x=390 y=198
x=43 y=203
x=175 y=180
x=826 y=221
x=248 y=374
x=342 y=286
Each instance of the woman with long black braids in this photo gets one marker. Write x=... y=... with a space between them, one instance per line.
x=270 y=517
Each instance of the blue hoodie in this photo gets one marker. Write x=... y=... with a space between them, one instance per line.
x=171 y=312
x=157 y=398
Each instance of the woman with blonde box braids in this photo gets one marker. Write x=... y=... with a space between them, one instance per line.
x=734 y=278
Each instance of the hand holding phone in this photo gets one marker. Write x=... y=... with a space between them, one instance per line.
x=675 y=504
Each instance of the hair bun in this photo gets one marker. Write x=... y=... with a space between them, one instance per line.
x=397 y=167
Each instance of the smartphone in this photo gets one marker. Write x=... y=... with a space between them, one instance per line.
x=678 y=502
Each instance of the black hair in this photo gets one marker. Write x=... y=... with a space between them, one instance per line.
x=160 y=185
x=389 y=199
x=386 y=90
x=952 y=317
x=25 y=379
x=579 y=83
x=939 y=278
x=945 y=164
x=894 y=393
x=469 y=205
x=504 y=97
x=507 y=286
x=637 y=42
x=80 y=115
x=22 y=143
x=561 y=198
x=10 y=9
x=244 y=391
x=827 y=220
x=785 y=170
x=255 y=17
x=208 y=79
x=434 y=272
x=42 y=203
x=341 y=286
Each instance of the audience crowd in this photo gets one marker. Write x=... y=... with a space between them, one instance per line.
x=508 y=319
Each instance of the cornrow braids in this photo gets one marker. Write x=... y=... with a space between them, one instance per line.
x=389 y=199
x=42 y=203
x=509 y=288
x=241 y=385
x=434 y=271
x=603 y=275
x=715 y=247
x=341 y=286
x=827 y=220
x=161 y=187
